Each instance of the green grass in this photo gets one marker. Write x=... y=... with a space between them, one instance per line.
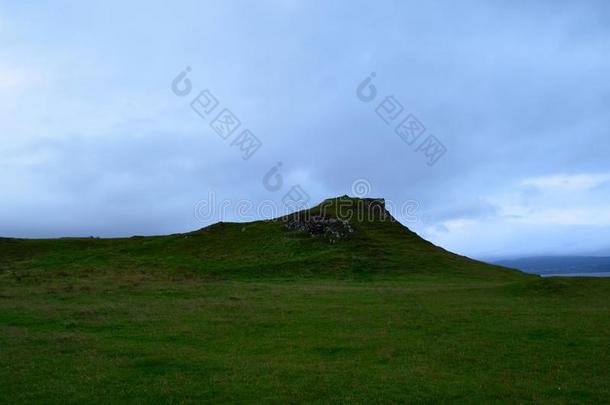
x=255 y=313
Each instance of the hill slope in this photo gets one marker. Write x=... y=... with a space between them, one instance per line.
x=375 y=242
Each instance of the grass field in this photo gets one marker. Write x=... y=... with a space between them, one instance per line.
x=252 y=313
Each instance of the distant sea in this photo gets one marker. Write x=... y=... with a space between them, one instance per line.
x=560 y=266
x=584 y=274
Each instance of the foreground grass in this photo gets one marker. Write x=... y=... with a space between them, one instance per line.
x=148 y=336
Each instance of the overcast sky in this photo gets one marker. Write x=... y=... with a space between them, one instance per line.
x=94 y=141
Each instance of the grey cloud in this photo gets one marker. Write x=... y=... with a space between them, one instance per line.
x=513 y=90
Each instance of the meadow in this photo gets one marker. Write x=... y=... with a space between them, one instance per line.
x=252 y=313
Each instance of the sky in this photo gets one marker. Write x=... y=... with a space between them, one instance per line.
x=508 y=156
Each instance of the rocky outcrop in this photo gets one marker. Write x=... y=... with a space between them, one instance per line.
x=331 y=227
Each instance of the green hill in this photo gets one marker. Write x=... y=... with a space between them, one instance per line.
x=335 y=304
x=377 y=244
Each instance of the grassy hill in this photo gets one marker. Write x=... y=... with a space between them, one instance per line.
x=339 y=303
x=378 y=245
